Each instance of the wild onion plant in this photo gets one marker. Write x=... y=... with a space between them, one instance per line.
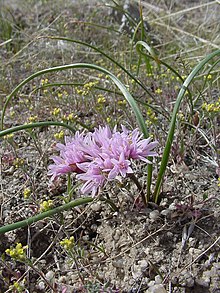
x=104 y=154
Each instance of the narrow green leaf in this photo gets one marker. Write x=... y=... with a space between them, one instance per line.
x=170 y=136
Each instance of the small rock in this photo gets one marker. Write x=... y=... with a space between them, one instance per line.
x=158 y=288
x=96 y=207
x=151 y=284
x=194 y=252
x=118 y=263
x=172 y=206
x=202 y=283
x=41 y=285
x=49 y=275
x=143 y=264
x=154 y=215
x=117 y=234
x=165 y=212
x=158 y=279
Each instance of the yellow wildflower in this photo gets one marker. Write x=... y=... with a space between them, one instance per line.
x=17 y=253
x=46 y=205
x=26 y=193
x=68 y=243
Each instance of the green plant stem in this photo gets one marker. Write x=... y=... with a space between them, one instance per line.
x=46 y=214
x=170 y=135
x=140 y=188
x=33 y=125
x=52 y=212
x=118 y=83
x=107 y=56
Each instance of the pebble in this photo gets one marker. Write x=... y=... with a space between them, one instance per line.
x=118 y=263
x=157 y=288
x=158 y=279
x=96 y=207
x=49 y=275
x=172 y=206
x=41 y=285
x=117 y=234
x=165 y=212
x=202 y=283
x=194 y=252
x=154 y=215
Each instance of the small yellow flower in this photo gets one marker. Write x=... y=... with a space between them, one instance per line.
x=46 y=205
x=108 y=119
x=17 y=253
x=18 y=162
x=44 y=81
x=209 y=76
x=26 y=193
x=122 y=102
x=9 y=136
x=32 y=118
x=219 y=181
x=59 y=135
x=180 y=116
x=56 y=111
x=18 y=287
x=158 y=91
x=12 y=114
x=68 y=244
x=101 y=99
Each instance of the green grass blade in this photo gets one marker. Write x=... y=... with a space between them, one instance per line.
x=121 y=87
x=34 y=125
x=169 y=140
x=154 y=56
x=108 y=57
x=151 y=50
x=44 y=215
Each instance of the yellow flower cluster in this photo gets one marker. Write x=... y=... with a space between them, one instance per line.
x=32 y=118
x=46 y=205
x=209 y=76
x=212 y=108
x=86 y=88
x=18 y=162
x=59 y=135
x=63 y=94
x=122 y=102
x=44 y=81
x=151 y=117
x=56 y=111
x=9 y=136
x=101 y=99
x=26 y=193
x=158 y=91
x=17 y=253
x=68 y=244
x=70 y=117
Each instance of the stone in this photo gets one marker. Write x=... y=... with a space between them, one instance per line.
x=157 y=288
x=154 y=215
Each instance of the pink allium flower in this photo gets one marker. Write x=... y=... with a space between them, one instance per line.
x=100 y=156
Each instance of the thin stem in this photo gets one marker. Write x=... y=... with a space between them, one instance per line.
x=140 y=188
x=46 y=214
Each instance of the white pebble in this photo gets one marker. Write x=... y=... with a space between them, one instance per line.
x=154 y=215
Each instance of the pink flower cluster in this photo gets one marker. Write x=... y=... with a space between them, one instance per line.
x=100 y=156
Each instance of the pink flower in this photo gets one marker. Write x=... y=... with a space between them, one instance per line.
x=121 y=166
x=100 y=156
x=94 y=178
